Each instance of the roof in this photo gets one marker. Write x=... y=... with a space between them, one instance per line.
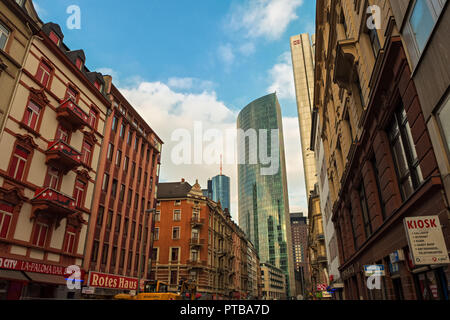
x=168 y=190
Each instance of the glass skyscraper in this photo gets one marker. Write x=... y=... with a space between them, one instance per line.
x=263 y=199
x=221 y=190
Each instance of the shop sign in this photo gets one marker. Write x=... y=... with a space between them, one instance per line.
x=13 y=264
x=397 y=256
x=375 y=269
x=88 y=290
x=426 y=240
x=110 y=281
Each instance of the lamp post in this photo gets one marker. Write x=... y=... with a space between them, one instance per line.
x=147 y=213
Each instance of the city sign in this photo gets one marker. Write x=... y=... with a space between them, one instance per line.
x=375 y=269
x=19 y=265
x=110 y=281
x=426 y=240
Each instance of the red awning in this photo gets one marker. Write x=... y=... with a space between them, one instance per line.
x=46 y=278
x=12 y=275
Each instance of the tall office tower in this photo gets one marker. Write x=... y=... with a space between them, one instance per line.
x=302 y=51
x=221 y=190
x=299 y=229
x=263 y=195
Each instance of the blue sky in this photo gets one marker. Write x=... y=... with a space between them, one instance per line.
x=213 y=55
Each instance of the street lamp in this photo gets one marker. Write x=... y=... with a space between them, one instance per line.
x=147 y=214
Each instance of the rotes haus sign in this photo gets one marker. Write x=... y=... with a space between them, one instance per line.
x=109 y=281
x=426 y=240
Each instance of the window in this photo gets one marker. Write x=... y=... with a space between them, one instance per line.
x=156 y=234
x=93 y=118
x=101 y=211
x=174 y=277
x=122 y=130
x=122 y=192
x=136 y=142
x=354 y=224
x=365 y=211
x=109 y=221
x=178 y=202
x=133 y=229
x=130 y=195
x=194 y=255
x=174 y=254
x=176 y=233
x=133 y=169
x=118 y=158
x=4 y=35
x=31 y=116
x=129 y=138
x=157 y=216
x=105 y=182
x=86 y=153
x=125 y=226
x=118 y=220
x=98 y=85
x=52 y=178
x=374 y=41
x=422 y=20
x=40 y=234
x=80 y=188
x=177 y=215
x=54 y=37
x=44 y=73
x=105 y=253
x=72 y=93
x=139 y=175
x=404 y=154
x=110 y=153
x=114 y=188
x=122 y=258
x=136 y=201
x=377 y=180
x=94 y=251
x=62 y=134
x=6 y=212
x=79 y=63
x=18 y=163
x=69 y=242
x=444 y=120
x=125 y=163
x=113 y=256
x=114 y=123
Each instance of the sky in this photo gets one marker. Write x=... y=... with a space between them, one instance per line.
x=182 y=62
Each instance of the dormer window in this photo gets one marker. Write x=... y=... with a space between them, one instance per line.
x=79 y=63
x=54 y=38
x=98 y=85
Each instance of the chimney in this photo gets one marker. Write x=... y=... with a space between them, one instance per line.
x=182 y=180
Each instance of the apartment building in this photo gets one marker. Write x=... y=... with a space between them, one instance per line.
x=51 y=144
x=380 y=139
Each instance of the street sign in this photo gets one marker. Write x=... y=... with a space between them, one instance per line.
x=375 y=269
x=426 y=240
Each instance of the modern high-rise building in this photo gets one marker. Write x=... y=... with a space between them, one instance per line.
x=263 y=195
x=302 y=51
x=299 y=230
x=221 y=190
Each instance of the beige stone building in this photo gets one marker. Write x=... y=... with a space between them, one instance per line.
x=381 y=126
x=273 y=282
x=19 y=24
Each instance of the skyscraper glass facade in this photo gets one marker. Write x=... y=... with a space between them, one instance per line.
x=221 y=190
x=263 y=199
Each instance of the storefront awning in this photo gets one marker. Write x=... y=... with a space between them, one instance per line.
x=46 y=278
x=12 y=275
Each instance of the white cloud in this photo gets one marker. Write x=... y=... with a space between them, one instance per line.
x=190 y=83
x=247 y=49
x=166 y=109
x=282 y=78
x=226 y=54
x=263 y=18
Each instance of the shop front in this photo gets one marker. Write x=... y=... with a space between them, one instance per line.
x=21 y=280
x=106 y=286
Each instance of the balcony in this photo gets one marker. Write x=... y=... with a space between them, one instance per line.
x=71 y=115
x=62 y=156
x=196 y=264
x=196 y=242
x=197 y=222
x=52 y=204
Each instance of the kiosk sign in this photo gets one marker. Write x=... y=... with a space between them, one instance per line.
x=426 y=240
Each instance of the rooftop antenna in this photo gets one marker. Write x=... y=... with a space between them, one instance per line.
x=220 y=164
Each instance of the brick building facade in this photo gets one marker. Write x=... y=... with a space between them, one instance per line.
x=381 y=163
